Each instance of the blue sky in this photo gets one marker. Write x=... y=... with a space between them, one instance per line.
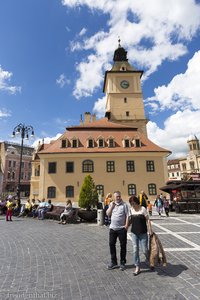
x=54 y=53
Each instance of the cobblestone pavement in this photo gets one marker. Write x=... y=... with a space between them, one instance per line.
x=44 y=260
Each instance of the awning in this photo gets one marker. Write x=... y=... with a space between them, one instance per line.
x=168 y=188
x=184 y=185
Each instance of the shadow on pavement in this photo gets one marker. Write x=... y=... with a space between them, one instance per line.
x=171 y=270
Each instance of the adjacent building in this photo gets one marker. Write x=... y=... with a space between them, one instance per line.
x=190 y=165
x=9 y=170
x=114 y=150
x=173 y=168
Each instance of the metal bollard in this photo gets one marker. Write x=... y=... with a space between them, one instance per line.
x=100 y=217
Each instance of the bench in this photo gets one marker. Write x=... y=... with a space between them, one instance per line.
x=56 y=212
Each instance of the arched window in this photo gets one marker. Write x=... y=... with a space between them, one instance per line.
x=70 y=191
x=51 y=192
x=192 y=165
x=87 y=166
x=152 y=189
x=131 y=189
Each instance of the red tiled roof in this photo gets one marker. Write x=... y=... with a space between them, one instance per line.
x=173 y=161
x=101 y=123
x=104 y=129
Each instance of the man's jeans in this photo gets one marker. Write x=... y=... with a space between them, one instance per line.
x=122 y=235
x=42 y=211
x=142 y=240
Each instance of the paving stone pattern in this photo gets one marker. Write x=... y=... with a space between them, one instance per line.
x=44 y=260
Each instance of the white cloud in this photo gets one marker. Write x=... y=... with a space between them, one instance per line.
x=46 y=140
x=83 y=31
x=181 y=95
x=176 y=131
x=89 y=79
x=99 y=107
x=62 y=81
x=182 y=92
x=4 y=113
x=164 y=25
x=5 y=77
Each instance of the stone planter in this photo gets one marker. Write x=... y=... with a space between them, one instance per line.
x=87 y=215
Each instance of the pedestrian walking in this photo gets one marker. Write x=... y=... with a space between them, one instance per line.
x=143 y=199
x=149 y=208
x=159 y=205
x=166 y=206
x=118 y=212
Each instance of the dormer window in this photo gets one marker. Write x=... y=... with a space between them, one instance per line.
x=111 y=143
x=101 y=143
x=137 y=142
x=126 y=142
x=64 y=143
x=90 y=143
x=74 y=143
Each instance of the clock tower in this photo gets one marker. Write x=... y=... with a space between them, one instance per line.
x=124 y=100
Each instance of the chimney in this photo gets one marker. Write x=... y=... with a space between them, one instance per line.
x=87 y=117
x=93 y=117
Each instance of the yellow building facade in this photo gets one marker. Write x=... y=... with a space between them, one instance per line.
x=114 y=150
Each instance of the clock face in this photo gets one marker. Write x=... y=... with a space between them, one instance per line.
x=124 y=84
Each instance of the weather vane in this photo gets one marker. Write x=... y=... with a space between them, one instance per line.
x=119 y=41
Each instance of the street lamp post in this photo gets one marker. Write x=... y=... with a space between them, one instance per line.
x=24 y=131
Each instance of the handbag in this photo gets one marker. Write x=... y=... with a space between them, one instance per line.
x=130 y=220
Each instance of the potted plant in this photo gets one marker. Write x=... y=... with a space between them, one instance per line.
x=88 y=199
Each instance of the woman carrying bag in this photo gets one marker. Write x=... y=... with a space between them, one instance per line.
x=140 y=226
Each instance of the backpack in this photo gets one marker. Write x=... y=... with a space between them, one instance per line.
x=144 y=203
x=159 y=202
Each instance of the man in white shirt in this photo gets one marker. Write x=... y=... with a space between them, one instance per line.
x=118 y=211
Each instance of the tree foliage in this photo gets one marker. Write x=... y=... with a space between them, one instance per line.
x=88 y=196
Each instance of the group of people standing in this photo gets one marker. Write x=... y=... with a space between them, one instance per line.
x=136 y=216
x=122 y=217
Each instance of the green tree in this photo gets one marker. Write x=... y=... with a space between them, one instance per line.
x=88 y=195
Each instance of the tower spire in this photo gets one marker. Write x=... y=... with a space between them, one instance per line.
x=120 y=53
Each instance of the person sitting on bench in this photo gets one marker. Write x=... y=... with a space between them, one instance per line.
x=67 y=213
